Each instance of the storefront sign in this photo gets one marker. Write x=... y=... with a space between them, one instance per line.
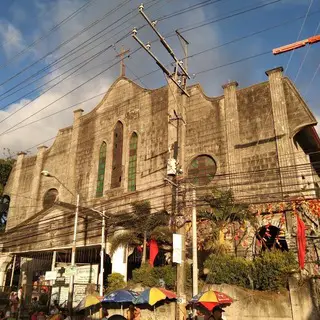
x=84 y=275
x=70 y=271
x=51 y=275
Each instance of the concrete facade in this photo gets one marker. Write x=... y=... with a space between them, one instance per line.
x=258 y=137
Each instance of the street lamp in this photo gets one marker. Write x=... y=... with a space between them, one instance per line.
x=73 y=254
x=74 y=241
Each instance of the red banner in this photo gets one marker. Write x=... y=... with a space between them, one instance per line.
x=301 y=241
x=153 y=251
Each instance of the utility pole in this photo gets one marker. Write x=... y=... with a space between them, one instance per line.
x=194 y=245
x=73 y=255
x=102 y=252
x=12 y=271
x=121 y=55
x=173 y=139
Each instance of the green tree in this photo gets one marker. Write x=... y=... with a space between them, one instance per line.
x=140 y=226
x=115 y=282
x=5 y=169
x=223 y=210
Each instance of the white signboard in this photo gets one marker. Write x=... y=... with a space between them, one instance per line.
x=70 y=271
x=84 y=275
x=51 y=275
x=177 y=248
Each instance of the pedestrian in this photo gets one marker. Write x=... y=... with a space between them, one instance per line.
x=216 y=313
x=20 y=293
x=133 y=313
x=189 y=313
x=105 y=314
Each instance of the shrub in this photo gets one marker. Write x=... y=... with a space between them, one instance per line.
x=150 y=277
x=228 y=269
x=115 y=282
x=271 y=270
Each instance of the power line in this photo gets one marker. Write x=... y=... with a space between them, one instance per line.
x=305 y=56
x=312 y=79
x=238 y=61
x=161 y=18
x=234 y=62
x=54 y=28
x=236 y=13
x=63 y=96
x=65 y=42
x=299 y=34
x=69 y=53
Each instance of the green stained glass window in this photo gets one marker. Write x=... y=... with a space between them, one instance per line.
x=202 y=170
x=132 y=173
x=101 y=169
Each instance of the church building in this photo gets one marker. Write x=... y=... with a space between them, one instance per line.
x=260 y=141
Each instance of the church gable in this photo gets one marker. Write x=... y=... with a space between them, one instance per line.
x=299 y=115
x=121 y=93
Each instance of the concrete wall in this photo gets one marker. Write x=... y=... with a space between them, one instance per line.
x=251 y=305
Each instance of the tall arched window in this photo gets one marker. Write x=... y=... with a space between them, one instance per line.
x=116 y=174
x=101 y=169
x=132 y=162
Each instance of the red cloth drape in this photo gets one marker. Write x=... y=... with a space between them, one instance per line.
x=301 y=241
x=153 y=251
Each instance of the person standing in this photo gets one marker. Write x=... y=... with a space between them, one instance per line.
x=216 y=313
x=133 y=313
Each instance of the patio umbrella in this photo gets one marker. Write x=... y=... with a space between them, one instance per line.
x=153 y=295
x=120 y=296
x=210 y=299
x=88 y=301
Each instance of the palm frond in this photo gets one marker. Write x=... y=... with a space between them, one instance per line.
x=156 y=219
x=162 y=234
x=129 y=238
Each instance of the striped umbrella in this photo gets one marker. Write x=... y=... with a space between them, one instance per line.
x=210 y=299
x=153 y=295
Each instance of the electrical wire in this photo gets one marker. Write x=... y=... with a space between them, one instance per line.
x=233 y=14
x=193 y=55
x=299 y=35
x=65 y=42
x=42 y=37
x=222 y=18
x=305 y=56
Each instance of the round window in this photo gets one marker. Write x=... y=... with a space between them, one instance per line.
x=202 y=170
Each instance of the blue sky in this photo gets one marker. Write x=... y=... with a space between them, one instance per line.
x=22 y=22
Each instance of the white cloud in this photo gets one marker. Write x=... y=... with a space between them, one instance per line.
x=40 y=131
x=47 y=128
x=10 y=38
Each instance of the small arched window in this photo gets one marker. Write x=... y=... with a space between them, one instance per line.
x=202 y=170
x=50 y=198
x=101 y=169
x=132 y=173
